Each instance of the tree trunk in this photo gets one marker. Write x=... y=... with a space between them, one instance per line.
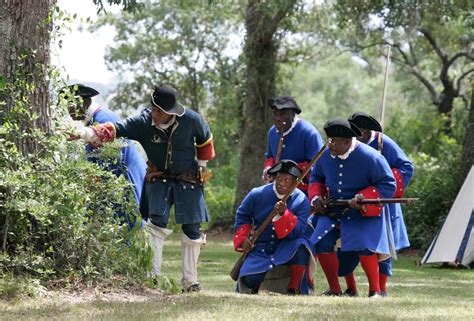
x=25 y=27
x=467 y=159
x=260 y=53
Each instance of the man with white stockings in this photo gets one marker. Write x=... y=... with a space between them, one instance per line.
x=178 y=144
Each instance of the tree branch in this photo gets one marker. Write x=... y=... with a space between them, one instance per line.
x=442 y=55
x=413 y=69
x=275 y=20
x=459 y=55
x=464 y=75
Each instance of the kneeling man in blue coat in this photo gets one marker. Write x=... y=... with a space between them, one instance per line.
x=280 y=244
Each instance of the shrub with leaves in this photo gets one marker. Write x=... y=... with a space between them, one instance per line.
x=436 y=181
x=57 y=209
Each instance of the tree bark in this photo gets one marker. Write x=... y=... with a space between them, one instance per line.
x=261 y=45
x=25 y=29
x=467 y=158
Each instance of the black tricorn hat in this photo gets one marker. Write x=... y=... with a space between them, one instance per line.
x=166 y=98
x=83 y=91
x=284 y=102
x=341 y=128
x=285 y=166
x=365 y=121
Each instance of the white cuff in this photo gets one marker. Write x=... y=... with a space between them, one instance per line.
x=202 y=163
x=276 y=218
x=314 y=199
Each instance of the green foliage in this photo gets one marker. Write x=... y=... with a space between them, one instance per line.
x=57 y=218
x=436 y=180
x=13 y=288
x=340 y=86
x=183 y=43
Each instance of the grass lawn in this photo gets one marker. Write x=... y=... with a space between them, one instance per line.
x=415 y=293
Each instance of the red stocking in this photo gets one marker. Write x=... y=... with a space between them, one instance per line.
x=370 y=265
x=330 y=265
x=351 y=282
x=297 y=273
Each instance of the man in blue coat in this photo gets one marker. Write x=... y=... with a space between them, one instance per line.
x=402 y=169
x=351 y=170
x=281 y=243
x=129 y=163
x=178 y=144
x=290 y=137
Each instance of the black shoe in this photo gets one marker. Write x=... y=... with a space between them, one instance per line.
x=373 y=294
x=291 y=291
x=383 y=293
x=195 y=287
x=329 y=292
x=255 y=289
x=350 y=292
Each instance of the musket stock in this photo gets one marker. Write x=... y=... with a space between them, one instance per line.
x=234 y=273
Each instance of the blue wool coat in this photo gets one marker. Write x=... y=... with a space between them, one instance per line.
x=363 y=167
x=269 y=251
x=300 y=145
x=396 y=158
x=175 y=154
x=130 y=163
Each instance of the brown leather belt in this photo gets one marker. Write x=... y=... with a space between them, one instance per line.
x=152 y=176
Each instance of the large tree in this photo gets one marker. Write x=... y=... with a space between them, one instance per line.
x=24 y=58
x=25 y=33
x=263 y=24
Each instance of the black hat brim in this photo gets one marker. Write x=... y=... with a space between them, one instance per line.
x=177 y=109
x=341 y=128
x=365 y=121
x=83 y=91
x=285 y=166
x=289 y=104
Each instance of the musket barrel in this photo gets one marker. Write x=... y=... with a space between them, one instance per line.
x=373 y=201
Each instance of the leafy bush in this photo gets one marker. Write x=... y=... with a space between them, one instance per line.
x=436 y=181
x=57 y=210
x=58 y=221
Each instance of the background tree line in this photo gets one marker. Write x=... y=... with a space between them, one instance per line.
x=227 y=59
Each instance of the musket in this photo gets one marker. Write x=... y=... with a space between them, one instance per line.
x=384 y=99
x=372 y=201
x=234 y=273
x=280 y=147
x=344 y=203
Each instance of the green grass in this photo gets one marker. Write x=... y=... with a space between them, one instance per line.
x=415 y=293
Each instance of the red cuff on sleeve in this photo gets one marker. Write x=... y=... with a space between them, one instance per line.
x=241 y=234
x=285 y=224
x=399 y=179
x=316 y=189
x=371 y=210
x=206 y=151
x=105 y=133
x=303 y=165
x=269 y=162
